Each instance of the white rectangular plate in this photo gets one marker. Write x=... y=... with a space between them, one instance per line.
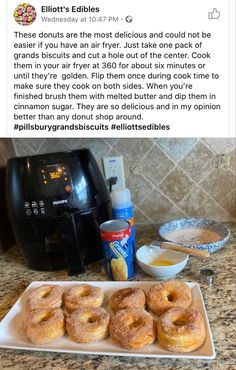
x=12 y=335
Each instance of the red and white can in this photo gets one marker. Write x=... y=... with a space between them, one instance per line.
x=118 y=249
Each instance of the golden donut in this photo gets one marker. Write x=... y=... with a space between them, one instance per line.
x=46 y=296
x=128 y=298
x=181 y=329
x=83 y=295
x=44 y=325
x=163 y=296
x=132 y=328
x=88 y=324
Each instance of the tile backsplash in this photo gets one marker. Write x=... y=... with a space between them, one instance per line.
x=168 y=178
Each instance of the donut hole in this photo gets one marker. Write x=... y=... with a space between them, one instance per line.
x=92 y=319
x=135 y=323
x=88 y=318
x=170 y=297
x=180 y=321
x=45 y=317
x=46 y=293
x=126 y=294
x=84 y=293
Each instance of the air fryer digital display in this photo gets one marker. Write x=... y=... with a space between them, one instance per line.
x=55 y=175
x=54 y=179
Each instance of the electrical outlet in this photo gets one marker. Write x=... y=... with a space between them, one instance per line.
x=114 y=167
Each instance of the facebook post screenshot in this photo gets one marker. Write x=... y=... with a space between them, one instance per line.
x=117 y=185
x=118 y=69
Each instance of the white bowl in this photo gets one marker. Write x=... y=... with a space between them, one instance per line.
x=147 y=254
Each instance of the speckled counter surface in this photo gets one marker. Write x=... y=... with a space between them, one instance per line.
x=219 y=300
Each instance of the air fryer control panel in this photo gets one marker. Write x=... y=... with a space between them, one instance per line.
x=55 y=184
x=36 y=208
x=54 y=180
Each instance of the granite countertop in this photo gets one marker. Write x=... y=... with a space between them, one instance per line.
x=219 y=301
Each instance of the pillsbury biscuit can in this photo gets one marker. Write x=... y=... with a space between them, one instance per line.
x=118 y=249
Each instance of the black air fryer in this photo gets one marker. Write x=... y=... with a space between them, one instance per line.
x=56 y=203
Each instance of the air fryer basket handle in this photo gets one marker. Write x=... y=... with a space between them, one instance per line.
x=71 y=248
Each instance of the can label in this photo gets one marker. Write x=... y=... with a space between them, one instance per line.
x=118 y=251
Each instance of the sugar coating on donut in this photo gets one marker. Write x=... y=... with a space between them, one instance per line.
x=46 y=296
x=83 y=295
x=181 y=329
x=44 y=325
x=128 y=298
x=88 y=324
x=166 y=295
x=132 y=328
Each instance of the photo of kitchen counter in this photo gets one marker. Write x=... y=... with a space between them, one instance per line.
x=219 y=301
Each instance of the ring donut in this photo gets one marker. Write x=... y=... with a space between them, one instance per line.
x=88 y=324
x=181 y=330
x=46 y=296
x=132 y=328
x=128 y=298
x=83 y=295
x=44 y=325
x=163 y=296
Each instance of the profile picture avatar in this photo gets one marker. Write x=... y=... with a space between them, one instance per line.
x=25 y=14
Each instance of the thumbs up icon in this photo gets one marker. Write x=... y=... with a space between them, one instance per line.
x=215 y=14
